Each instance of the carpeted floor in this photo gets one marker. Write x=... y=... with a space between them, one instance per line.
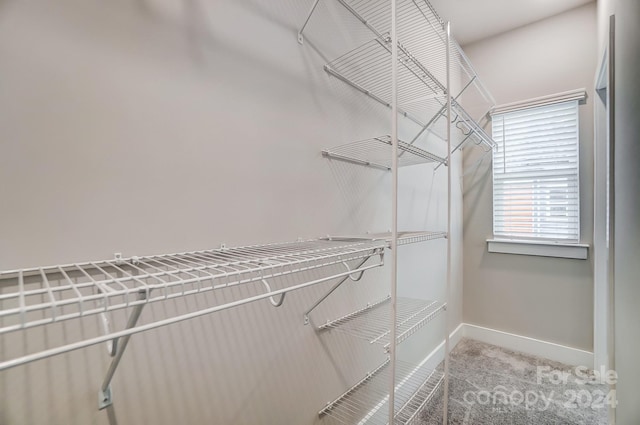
x=490 y=385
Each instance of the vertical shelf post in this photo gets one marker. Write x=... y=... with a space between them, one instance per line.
x=445 y=403
x=394 y=207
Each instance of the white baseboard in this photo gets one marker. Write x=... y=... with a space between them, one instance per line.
x=456 y=336
x=535 y=347
x=437 y=355
x=532 y=346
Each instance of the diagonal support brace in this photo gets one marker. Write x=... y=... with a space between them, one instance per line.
x=336 y=286
x=313 y=8
x=104 y=395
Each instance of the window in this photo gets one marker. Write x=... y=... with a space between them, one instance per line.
x=535 y=173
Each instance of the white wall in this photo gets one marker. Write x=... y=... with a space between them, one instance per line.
x=544 y=298
x=152 y=126
x=626 y=237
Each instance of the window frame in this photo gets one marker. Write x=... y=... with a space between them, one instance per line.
x=539 y=246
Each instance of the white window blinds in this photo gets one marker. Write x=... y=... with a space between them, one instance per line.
x=535 y=173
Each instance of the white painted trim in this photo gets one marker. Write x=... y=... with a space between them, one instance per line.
x=437 y=355
x=600 y=253
x=532 y=346
x=523 y=344
x=579 y=94
x=456 y=336
x=576 y=251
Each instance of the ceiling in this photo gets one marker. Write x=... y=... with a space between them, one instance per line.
x=473 y=20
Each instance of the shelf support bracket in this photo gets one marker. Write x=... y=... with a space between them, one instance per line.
x=313 y=8
x=104 y=395
x=440 y=113
x=336 y=286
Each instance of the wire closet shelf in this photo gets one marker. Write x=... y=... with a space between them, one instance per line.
x=404 y=237
x=422 y=96
x=420 y=93
x=422 y=32
x=376 y=152
x=371 y=323
x=44 y=295
x=367 y=402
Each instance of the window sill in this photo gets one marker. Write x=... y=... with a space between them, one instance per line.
x=576 y=251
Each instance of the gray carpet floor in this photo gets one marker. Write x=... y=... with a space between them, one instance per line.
x=490 y=385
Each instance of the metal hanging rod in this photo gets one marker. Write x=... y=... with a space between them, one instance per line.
x=372 y=322
x=376 y=152
x=47 y=295
x=367 y=401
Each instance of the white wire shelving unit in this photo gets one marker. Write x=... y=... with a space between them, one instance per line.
x=367 y=402
x=45 y=295
x=413 y=66
x=371 y=323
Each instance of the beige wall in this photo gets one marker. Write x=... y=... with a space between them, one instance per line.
x=627 y=201
x=155 y=126
x=544 y=298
